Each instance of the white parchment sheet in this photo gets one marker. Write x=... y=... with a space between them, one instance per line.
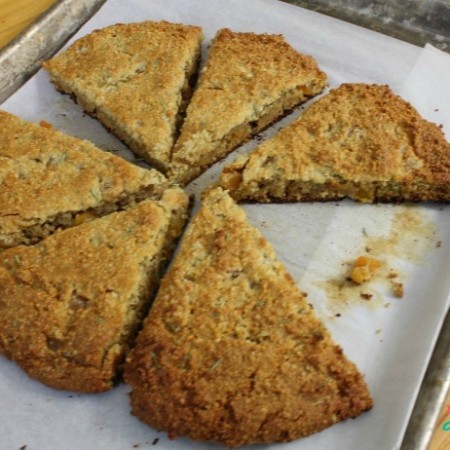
x=389 y=338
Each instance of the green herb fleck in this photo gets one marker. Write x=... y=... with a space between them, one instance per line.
x=186 y=361
x=155 y=359
x=131 y=230
x=96 y=196
x=216 y=364
x=173 y=327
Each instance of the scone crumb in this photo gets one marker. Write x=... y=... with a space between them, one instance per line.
x=83 y=217
x=364 y=269
x=45 y=124
x=398 y=289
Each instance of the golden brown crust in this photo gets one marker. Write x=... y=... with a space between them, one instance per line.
x=231 y=351
x=47 y=177
x=360 y=141
x=133 y=78
x=70 y=305
x=249 y=81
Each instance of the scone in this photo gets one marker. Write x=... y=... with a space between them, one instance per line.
x=71 y=305
x=49 y=180
x=136 y=79
x=249 y=81
x=231 y=350
x=359 y=141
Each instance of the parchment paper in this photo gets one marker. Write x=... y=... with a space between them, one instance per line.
x=389 y=338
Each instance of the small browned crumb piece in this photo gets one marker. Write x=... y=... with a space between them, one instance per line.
x=359 y=141
x=398 y=289
x=231 y=351
x=47 y=179
x=249 y=81
x=364 y=269
x=70 y=306
x=45 y=124
x=136 y=78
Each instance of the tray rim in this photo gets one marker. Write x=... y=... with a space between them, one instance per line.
x=22 y=58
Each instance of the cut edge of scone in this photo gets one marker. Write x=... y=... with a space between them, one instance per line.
x=33 y=234
x=311 y=82
x=231 y=351
x=85 y=350
x=56 y=152
x=378 y=149
x=158 y=154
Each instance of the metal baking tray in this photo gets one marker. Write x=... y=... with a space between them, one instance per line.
x=414 y=21
x=22 y=57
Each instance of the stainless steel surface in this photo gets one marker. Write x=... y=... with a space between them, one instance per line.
x=415 y=21
x=432 y=395
x=20 y=59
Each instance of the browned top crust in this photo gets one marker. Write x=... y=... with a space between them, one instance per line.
x=231 y=351
x=44 y=173
x=358 y=133
x=245 y=74
x=70 y=304
x=135 y=74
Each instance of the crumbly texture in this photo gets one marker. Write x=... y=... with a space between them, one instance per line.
x=136 y=79
x=364 y=269
x=359 y=141
x=71 y=305
x=47 y=178
x=232 y=351
x=249 y=81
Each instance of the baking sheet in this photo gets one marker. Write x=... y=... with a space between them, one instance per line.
x=390 y=339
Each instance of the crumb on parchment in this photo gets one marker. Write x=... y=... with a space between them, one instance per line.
x=364 y=269
x=45 y=124
x=398 y=289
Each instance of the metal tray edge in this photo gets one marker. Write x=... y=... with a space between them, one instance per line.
x=23 y=56
x=432 y=395
x=404 y=20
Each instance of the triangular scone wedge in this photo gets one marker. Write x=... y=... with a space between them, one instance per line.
x=71 y=305
x=231 y=351
x=359 y=141
x=49 y=180
x=249 y=81
x=136 y=79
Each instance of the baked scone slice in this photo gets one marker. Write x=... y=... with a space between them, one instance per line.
x=136 y=79
x=359 y=141
x=231 y=351
x=249 y=81
x=71 y=305
x=49 y=180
